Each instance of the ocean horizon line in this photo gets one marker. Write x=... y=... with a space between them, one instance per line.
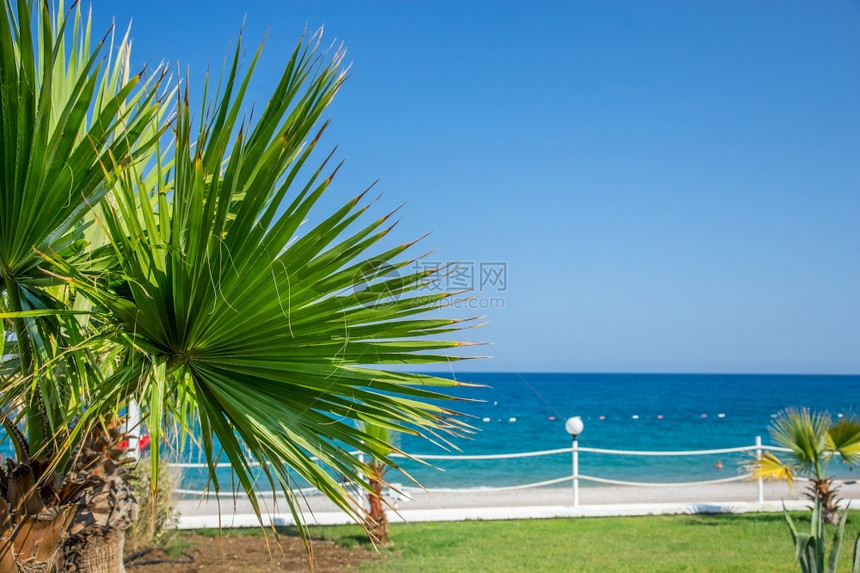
x=608 y=373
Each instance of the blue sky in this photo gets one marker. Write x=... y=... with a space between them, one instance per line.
x=672 y=186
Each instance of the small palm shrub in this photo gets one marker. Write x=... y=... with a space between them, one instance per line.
x=814 y=440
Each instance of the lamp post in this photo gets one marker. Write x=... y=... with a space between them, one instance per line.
x=574 y=427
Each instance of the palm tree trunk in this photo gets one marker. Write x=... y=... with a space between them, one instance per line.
x=79 y=517
x=377 y=521
x=33 y=543
x=88 y=535
x=824 y=490
x=97 y=536
x=96 y=553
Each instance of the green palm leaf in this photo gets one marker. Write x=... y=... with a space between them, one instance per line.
x=275 y=336
x=805 y=434
x=844 y=437
x=69 y=115
x=62 y=128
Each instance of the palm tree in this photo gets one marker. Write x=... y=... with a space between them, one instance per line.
x=192 y=271
x=68 y=113
x=376 y=521
x=814 y=440
x=234 y=318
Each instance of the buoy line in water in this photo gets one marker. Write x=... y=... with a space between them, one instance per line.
x=604 y=418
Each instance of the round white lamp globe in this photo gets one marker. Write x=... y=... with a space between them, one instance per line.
x=574 y=426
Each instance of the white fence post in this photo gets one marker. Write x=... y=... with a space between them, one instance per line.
x=132 y=428
x=760 y=480
x=575 y=472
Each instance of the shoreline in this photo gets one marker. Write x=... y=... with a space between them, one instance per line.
x=595 y=501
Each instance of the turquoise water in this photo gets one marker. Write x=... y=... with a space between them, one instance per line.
x=675 y=412
x=689 y=406
x=526 y=412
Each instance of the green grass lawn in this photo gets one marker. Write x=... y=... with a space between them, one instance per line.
x=757 y=542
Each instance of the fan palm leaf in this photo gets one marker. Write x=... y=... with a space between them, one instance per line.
x=771 y=467
x=805 y=434
x=273 y=336
x=844 y=438
x=69 y=114
x=63 y=128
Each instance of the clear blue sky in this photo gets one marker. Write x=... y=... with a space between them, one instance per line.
x=704 y=220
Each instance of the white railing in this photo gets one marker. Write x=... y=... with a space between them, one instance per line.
x=573 y=479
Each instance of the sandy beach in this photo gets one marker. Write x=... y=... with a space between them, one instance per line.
x=455 y=505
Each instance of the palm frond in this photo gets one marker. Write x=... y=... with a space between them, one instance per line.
x=844 y=437
x=69 y=115
x=276 y=336
x=770 y=467
x=62 y=128
x=805 y=434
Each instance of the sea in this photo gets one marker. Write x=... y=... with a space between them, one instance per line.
x=525 y=412
x=651 y=412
